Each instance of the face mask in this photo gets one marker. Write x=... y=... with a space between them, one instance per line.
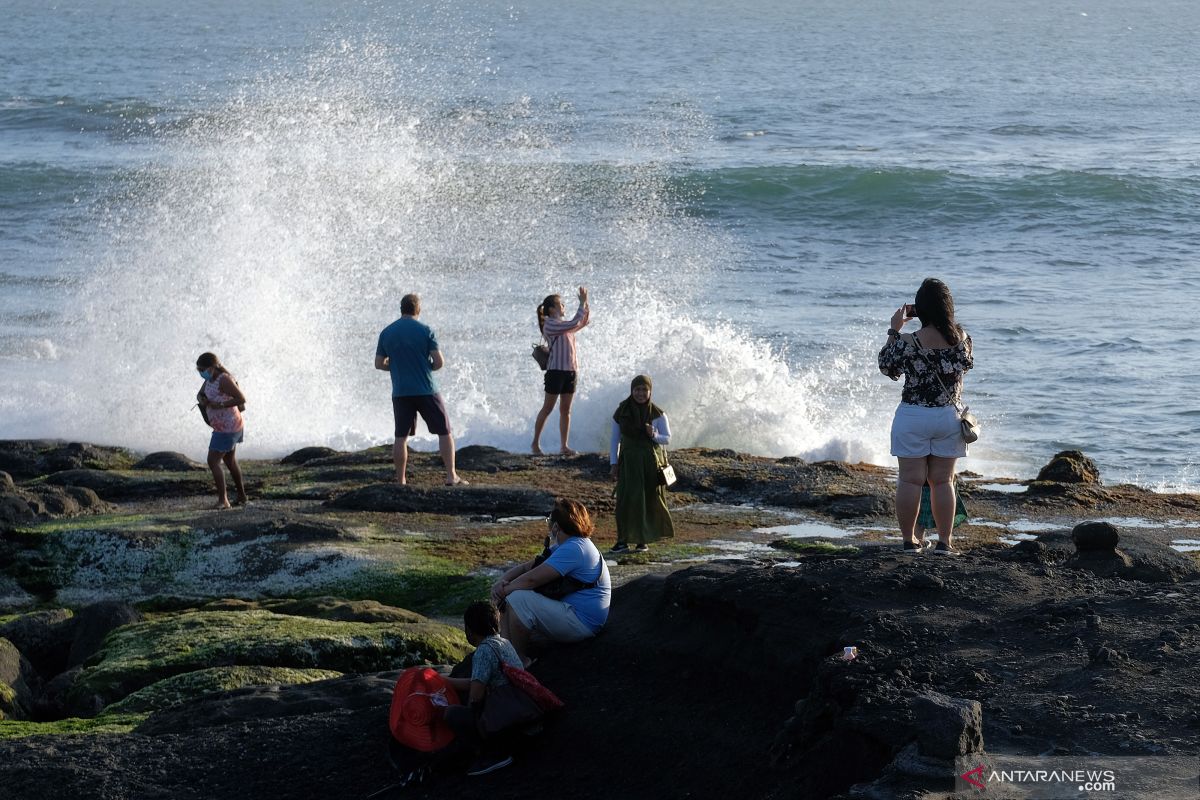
x=207 y=375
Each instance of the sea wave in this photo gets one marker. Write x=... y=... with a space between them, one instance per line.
x=63 y=113
x=30 y=183
x=840 y=192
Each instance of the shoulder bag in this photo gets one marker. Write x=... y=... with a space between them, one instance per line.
x=967 y=422
x=541 y=354
x=564 y=585
x=511 y=704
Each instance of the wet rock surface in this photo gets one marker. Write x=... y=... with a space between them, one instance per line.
x=167 y=461
x=459 y=500
x=1073 y=642
x=1070 y=466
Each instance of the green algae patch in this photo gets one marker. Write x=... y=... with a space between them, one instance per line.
x=97 y=522
x=73 y=726
x=8 y=696
x=142 y=654
x=322 y=607
x=665 y=552
x=814 y=547
x=180 y=688
x=436 y=589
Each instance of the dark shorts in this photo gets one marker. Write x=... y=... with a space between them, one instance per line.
x=429 y=406
x=560 y=381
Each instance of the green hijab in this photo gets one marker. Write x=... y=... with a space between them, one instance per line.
x=633 y=417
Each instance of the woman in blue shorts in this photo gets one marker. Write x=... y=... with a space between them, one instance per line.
x=223 y=403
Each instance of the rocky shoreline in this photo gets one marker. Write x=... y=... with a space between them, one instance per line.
x=150 y=646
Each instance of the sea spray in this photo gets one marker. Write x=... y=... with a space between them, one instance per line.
x=281 y=229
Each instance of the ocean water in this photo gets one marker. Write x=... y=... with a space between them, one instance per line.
x=748 y=190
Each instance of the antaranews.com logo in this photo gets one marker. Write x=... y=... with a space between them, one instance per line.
x=1052 y=777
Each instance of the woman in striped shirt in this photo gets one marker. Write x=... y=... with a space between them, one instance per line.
x=559 y=334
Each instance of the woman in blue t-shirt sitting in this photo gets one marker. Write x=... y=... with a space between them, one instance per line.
x=532 y=616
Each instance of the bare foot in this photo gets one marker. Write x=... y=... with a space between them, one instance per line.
x=536 y=449
x=458 y=482
x=566 y=451
x=222 y=505
x=241 y=500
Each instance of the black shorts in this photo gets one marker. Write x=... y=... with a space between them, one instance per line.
x=429 y=406
x=560 y=381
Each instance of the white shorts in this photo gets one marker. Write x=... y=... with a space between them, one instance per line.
x=549 y=620
x=919 y=431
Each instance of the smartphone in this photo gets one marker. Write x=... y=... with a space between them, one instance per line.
x=910 y=310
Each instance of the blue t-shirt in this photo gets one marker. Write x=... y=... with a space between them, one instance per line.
x=580 y=559
x=408 y=344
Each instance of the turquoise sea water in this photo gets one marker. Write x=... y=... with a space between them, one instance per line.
x=749 y=190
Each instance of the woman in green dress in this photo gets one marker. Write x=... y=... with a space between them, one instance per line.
x=639 y=432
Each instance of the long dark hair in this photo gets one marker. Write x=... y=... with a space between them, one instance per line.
x=542 y=310
x=935 y=308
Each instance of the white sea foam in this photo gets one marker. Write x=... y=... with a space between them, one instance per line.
x=281 y=231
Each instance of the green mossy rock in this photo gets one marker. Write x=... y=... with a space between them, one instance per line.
x=181 y=688
x=8 y=697
x=137 y=656
x=814 y=547
x=333 y=608
x=73 y=726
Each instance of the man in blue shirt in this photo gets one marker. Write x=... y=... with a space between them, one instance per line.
x=409 y=351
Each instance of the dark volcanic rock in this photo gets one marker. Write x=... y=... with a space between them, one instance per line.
x=373 y=455
x=168 y=461
x=463 y=500
x=52 y=702
x=949 y=726
x=1070 y=466
x=858 y=506
x=14 y=510
x=923 y=581
x=31 y=458
x=64 y=501
x=306 y=454
x=261 y=702
x=110 y=486
x=22 y=505
x=94 y=623
x=1095 y=537
x=480 y=458
x=44 y=637
x=17 y=674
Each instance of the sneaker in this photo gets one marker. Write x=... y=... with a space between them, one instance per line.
x=913 y=547
x=943 y=550
x=485 y=764
x=619 y=547
x=642 y=548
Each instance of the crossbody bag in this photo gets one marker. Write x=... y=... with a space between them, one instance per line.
x=967 y=423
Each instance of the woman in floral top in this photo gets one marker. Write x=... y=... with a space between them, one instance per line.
x=926 y=437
